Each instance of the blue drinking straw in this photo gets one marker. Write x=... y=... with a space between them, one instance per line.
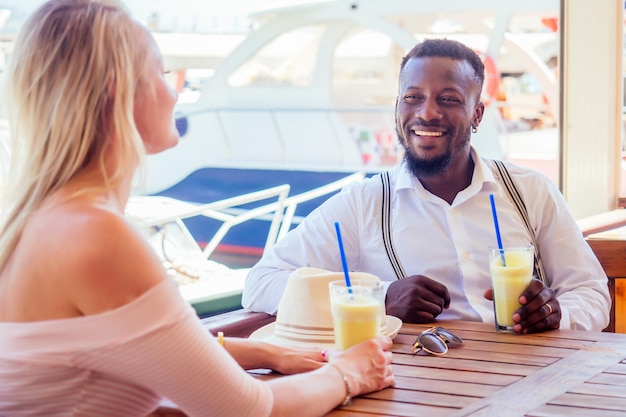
x=343 y=258
x=495 y=224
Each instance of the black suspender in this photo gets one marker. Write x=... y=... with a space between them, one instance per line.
x=516 y=198
x=512 y=192
x=386 y=227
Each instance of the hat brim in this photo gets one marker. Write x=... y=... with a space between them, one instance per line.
x=266 y=334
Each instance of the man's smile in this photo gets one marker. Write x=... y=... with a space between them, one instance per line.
x=427 y=133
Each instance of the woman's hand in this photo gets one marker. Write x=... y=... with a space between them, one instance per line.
x=366 y=365
x=295 y=360
x=253 y=354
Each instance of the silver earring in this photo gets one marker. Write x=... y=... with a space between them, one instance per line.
x=474 y=129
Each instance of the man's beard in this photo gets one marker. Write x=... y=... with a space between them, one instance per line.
x=426 y=167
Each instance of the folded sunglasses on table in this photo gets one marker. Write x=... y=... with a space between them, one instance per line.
x=435 y=341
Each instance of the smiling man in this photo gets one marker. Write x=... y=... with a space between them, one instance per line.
x=425 y=226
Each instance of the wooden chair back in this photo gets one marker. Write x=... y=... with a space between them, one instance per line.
x=612 y=255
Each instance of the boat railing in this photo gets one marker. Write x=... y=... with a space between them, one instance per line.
x=231 y=220
x=157 y=211
x=211 y=287
x=291 y=203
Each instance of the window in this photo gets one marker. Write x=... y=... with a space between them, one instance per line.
x=288 y=60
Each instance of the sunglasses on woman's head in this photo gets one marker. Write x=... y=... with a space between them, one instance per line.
x=435 y=341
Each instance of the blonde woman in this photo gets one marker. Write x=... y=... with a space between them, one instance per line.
x=89 y=322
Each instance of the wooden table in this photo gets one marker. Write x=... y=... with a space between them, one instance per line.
x=557 y=373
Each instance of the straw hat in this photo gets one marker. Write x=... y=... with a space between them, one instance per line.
x=304 y=317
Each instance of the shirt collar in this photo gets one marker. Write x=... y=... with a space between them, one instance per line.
x=482 y=179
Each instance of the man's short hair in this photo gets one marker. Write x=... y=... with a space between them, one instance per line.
x=448 y=48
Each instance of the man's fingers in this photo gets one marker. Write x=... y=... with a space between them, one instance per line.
x=488 y=294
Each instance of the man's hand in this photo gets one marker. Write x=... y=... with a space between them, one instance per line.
x=535 y=316
x=540 y=309
x=416 y=299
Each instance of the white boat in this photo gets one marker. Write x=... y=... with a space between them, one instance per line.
x=307 y=98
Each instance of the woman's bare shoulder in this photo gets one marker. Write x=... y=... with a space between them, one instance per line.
x=92 y=254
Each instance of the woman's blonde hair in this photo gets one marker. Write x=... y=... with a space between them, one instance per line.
x=70 y=87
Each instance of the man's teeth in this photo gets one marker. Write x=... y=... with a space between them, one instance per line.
x=423 y=133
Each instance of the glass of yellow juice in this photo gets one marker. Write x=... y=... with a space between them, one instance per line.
x=511 y=273
x=357 y=311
